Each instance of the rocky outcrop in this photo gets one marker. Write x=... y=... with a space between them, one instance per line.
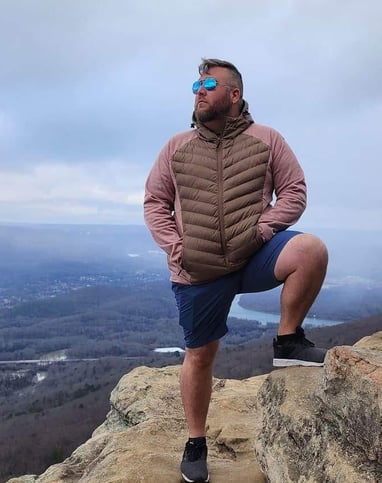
x=324 y=425
x=294 y=425
x=143 y=436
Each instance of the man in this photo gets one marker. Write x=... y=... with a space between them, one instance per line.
x=208 y=204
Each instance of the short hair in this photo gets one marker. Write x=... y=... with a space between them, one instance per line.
x=207 y=64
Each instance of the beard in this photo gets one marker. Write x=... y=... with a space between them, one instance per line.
x=219 y=110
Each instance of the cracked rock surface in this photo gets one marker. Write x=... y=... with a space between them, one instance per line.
x=324 y=424
x=143 y=437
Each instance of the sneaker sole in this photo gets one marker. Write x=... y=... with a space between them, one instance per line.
x=295 y=362
x=200 y=480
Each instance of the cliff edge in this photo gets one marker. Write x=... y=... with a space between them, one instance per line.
x=293 y=425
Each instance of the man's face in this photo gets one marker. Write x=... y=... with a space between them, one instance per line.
x=215 y=104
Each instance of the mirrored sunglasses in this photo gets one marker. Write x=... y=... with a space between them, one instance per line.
x=209 y=83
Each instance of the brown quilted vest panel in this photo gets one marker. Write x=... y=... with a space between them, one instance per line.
x=220 y=185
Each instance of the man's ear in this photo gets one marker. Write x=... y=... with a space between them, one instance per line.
x=235 y=95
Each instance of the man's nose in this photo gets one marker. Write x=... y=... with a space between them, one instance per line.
x=202 y=91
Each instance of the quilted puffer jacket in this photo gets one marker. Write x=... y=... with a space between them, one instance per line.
x=209 y=198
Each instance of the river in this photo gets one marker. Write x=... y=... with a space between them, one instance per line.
x=265 y=317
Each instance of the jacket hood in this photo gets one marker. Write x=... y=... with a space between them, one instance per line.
x=233 y=126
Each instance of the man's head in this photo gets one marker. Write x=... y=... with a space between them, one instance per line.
x=218 y=92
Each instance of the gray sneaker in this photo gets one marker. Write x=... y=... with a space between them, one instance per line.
x=297 y=351
x=194 y=463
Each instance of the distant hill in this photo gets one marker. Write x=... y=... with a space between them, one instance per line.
x=38 y=261
x=94 y=321
x=74 y=242
x=347 y=299
x=352 y=252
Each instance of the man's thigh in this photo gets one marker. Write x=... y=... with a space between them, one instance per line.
x=203 y=309
x=259 y=273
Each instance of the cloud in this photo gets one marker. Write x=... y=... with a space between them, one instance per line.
x=113 y=181
x=111 y=191
x=85 y=82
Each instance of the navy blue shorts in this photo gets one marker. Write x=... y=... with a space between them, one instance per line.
x=203 y=309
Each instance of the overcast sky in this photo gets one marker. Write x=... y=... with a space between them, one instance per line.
x=91 y=90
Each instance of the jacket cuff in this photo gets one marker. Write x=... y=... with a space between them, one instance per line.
x=266 y=232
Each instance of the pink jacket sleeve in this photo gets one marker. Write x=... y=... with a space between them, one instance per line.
x=159 y=205
x=285 y=178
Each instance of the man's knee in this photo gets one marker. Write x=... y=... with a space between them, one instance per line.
x=303 y=249
x=314 y=248
x=202 y=356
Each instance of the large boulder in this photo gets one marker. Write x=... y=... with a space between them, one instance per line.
x=143 y=437
x=317 y=425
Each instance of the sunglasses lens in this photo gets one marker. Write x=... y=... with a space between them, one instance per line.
x=196 y=86
x=210 y=83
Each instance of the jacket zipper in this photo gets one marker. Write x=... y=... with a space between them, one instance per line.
x=223 y=240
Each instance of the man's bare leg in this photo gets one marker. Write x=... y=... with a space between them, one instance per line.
x=302 y=266
x=196 y=386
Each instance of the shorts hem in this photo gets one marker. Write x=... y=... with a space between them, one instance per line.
x=211 y=339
